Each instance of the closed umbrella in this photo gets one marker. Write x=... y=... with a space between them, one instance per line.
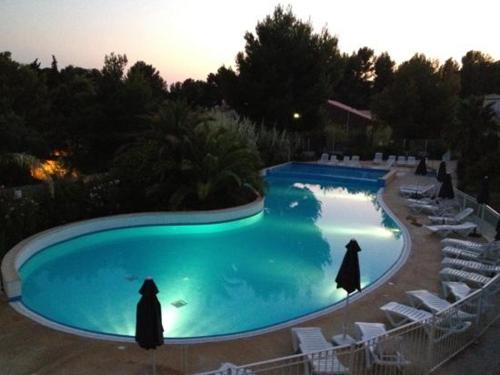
x=148 y=328
x=441 y=171
x=421 y=168
x=484 y=192
x=446 y=191
x=348 y=277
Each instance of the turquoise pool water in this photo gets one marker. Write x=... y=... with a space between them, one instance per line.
x=224 y=278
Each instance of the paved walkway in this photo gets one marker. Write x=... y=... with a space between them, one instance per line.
x=29 y=348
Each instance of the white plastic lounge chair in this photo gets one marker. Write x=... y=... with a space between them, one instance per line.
x=323 y=158
x=346 y=160
x=411 y=162
x=458 y=218
x=487 y=256
x=426 y=209
x=463 y=229
x=470 y=245
x=401 y=161
x=391 y=161
x=456 y=289
x=333 y=159
x=320 y=353
x=410 y=191
x=378 y=158
x=399 y=314
x=470 y=265
x=228 y=368
x=431 y=302
x=471 y=278
x=381 y=349
x=355 y=161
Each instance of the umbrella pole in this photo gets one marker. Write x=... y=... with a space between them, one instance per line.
x=345 y=315
x=153 y=361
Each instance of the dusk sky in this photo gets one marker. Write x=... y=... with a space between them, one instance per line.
x=187 y=38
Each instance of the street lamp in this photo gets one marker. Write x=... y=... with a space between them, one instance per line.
x=296 y=115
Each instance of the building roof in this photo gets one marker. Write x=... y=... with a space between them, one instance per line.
x=361 y=113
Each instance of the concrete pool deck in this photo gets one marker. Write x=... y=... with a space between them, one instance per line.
x=29 y=348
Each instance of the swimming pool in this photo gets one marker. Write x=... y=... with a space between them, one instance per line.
x=225 y=278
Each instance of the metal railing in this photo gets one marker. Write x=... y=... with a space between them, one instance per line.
x=485 y=216
x=419 y=347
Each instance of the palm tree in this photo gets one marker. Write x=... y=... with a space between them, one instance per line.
x=218 y=169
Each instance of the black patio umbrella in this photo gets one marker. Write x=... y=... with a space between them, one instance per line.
x=497 y=236
x=446 y=191
x=421 y=168
x=441 y=171
x=484 y=191
x=148 y=328
x=348 y=277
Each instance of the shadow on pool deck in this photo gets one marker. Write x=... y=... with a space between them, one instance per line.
x=28 y=348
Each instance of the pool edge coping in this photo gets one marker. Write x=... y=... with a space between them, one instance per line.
x=18 y=306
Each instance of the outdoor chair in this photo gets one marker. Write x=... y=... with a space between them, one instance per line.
x=323 y=158
x=355 y=161
x=401 y=161
x=346 y=160
x=433 y=209
x=411 y=162
x=391 y=160
x=435 y=304
x=463 y=229
x=411 y=191
x=476 y=279
x=321 y=356
x=381 y=349
x=470 y=265
x=486 y=256
x=456 y=219
x=470 y=245
x=378 y=158
x=333 y=159
x=228 y=368
x=456 y=289
x=399 y=314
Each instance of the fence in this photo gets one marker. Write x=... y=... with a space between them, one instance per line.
x=485 y=217
x=419 y=347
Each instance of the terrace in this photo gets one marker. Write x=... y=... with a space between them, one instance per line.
x=32 y=348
